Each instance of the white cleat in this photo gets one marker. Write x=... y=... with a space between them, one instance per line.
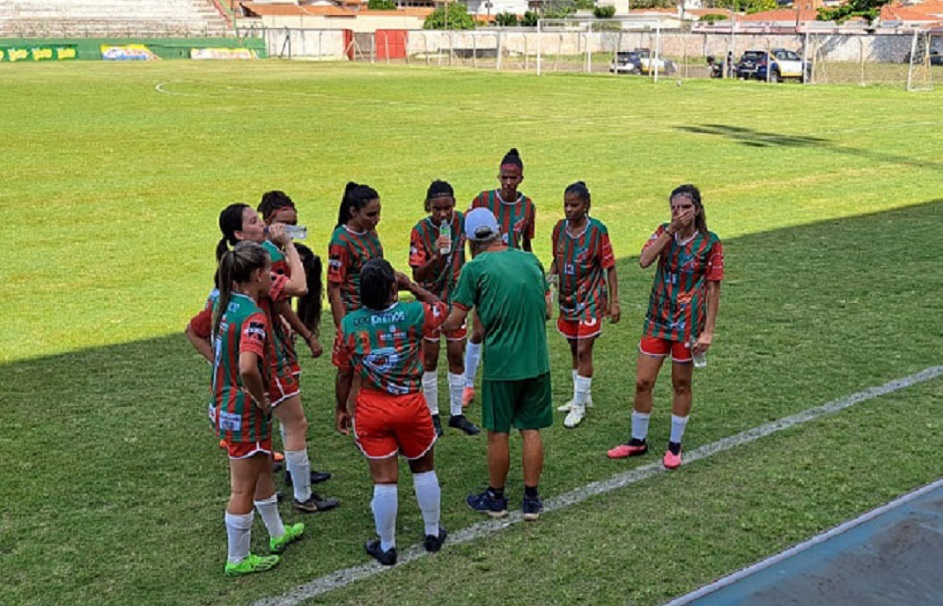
x=566 y=407
x=574 y=417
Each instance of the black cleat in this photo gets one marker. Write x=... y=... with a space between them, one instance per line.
x=460 y=422
x=387 y=558
x=433 y=543
x=315 y=503
x=439 y=432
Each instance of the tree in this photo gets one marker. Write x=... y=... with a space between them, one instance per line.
x=450 y=16
x=585 y=5
x=865 y=9
x=530 y=19
x=506 y=19
x=381 y=5
x=604 y=12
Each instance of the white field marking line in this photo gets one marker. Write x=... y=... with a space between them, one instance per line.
x=779 y=557
x=347 y=576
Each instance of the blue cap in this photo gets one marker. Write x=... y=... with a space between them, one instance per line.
x=480 y=225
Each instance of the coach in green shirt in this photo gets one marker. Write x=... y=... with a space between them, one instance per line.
x=508 y=289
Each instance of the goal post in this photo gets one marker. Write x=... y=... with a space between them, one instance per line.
x=925 y=51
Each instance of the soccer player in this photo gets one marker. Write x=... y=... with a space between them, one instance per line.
x=437 y=259
x=507 y=287
x=277 y=207
x=239 y=222
x=516 y=216
x=353 y=243
x=240 y=409
x=381 y=342
x=682 y=312
x=583 y=264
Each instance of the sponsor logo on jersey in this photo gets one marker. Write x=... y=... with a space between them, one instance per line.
x=381 y=360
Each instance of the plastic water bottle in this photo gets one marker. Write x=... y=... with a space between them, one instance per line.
x=445 y=232
x=553 y=283
x=296 y=232
x=700 y=360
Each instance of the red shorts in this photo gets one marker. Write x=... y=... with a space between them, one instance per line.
x=582 y=329
x=385 y=425
x=283 y=387
x=454 y=335
x=659 y=348
x=244 y=450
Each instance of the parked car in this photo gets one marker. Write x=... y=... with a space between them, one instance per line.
x=640 y=61
x=936 y=58
x=781 y=62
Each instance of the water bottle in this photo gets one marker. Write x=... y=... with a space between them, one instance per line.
x=553 y=287
x=700 y=360
x=296 y=232
x=445 y=232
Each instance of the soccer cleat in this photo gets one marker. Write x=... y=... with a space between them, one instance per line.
x=671 y=460
x=468 y=394
x=277 y=457
x=487 y=503
x=433 y=543
x=531 y=508
x=252 y=563
x=387 y=558
x=574 y=417
x=460 y=422
x=315 y=503
x=316 y=477
x=634 y=448
x=292 y=533
x=437 y=423
x=224 y=444
x=566 y=407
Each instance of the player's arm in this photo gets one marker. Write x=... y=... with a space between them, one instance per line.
x=706 y=337
x=422 y=295
x=615 y=312
x=659 y=241
x=198 y=333
x=252 y=379
x=203 y=346
x=528 y=233
x=456 y=318
x=284 y=310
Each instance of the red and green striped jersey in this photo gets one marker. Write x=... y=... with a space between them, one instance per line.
x=243 y=328
x=516 y=219
x=422 y=247
x=385 y=347
x=677 y=306
x=279 y=262
x=347 y=253
x=581 y=261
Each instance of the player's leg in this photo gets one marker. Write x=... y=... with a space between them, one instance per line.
x=472 y=358
x=652 y=353
x=582 y=383
x=430 y=379
x=533 y=413
x=385 y=505
x=291 y=415
x=682 y=371
x=266 y=503
x=245 y=467
x=455 y=348
x=497 y=406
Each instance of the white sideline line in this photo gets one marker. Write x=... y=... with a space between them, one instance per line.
x=779 y=557
x=347 y=576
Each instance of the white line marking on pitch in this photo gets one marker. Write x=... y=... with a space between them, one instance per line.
x=347 y=576
x=779 y=557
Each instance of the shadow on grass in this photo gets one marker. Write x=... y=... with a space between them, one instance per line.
x=114 y=488
x=758 y=138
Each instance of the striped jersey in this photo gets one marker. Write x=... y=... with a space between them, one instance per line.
x=516 y=219
x=279 y=261
x=581 y=261
x=347 y=253
x=422 y=247
x=678 y=303
x=243 y=328
x=385 y=347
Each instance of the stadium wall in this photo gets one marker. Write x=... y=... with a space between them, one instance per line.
x=46 y=49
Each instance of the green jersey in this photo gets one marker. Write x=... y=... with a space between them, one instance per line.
x=507 y=290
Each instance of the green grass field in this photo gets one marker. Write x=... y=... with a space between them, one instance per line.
x=827 y=199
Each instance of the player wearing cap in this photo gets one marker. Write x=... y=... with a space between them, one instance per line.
x=507 y=287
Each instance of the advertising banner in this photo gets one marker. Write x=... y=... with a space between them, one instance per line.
x=11 y=54
x=127 y=52
x=222 y=53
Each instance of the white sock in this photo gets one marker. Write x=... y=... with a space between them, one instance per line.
x=300 y=469
x=239 y=531
x=430 y=388
x=581 y=390
x=640 y=425
x=678 y=424
x=456 y=386
x=472 y=357
x=268 y=509
x=384 y=505
x=429 y=496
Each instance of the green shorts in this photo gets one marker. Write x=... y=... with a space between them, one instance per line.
x=524 y=404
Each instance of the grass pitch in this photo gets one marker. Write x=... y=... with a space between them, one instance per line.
x=827 y=199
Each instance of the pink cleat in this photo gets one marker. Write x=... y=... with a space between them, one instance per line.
x=634 y=448
x=671 y=460
x=468 y=394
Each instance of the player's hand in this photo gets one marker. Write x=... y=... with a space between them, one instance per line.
x=402 y=281
x=615 y=312
x=682 y=220
x=276 y=233
x=443 y=242
x=702 y=344
x=315 y=346
x=342 y=421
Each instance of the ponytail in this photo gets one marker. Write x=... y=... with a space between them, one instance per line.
x=236 y=267
x=224 y=272
x=230 y=221
x=356 y=196
x=310 y=305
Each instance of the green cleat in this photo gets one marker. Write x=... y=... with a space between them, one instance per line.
x=292 y=533
x=252 y=563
